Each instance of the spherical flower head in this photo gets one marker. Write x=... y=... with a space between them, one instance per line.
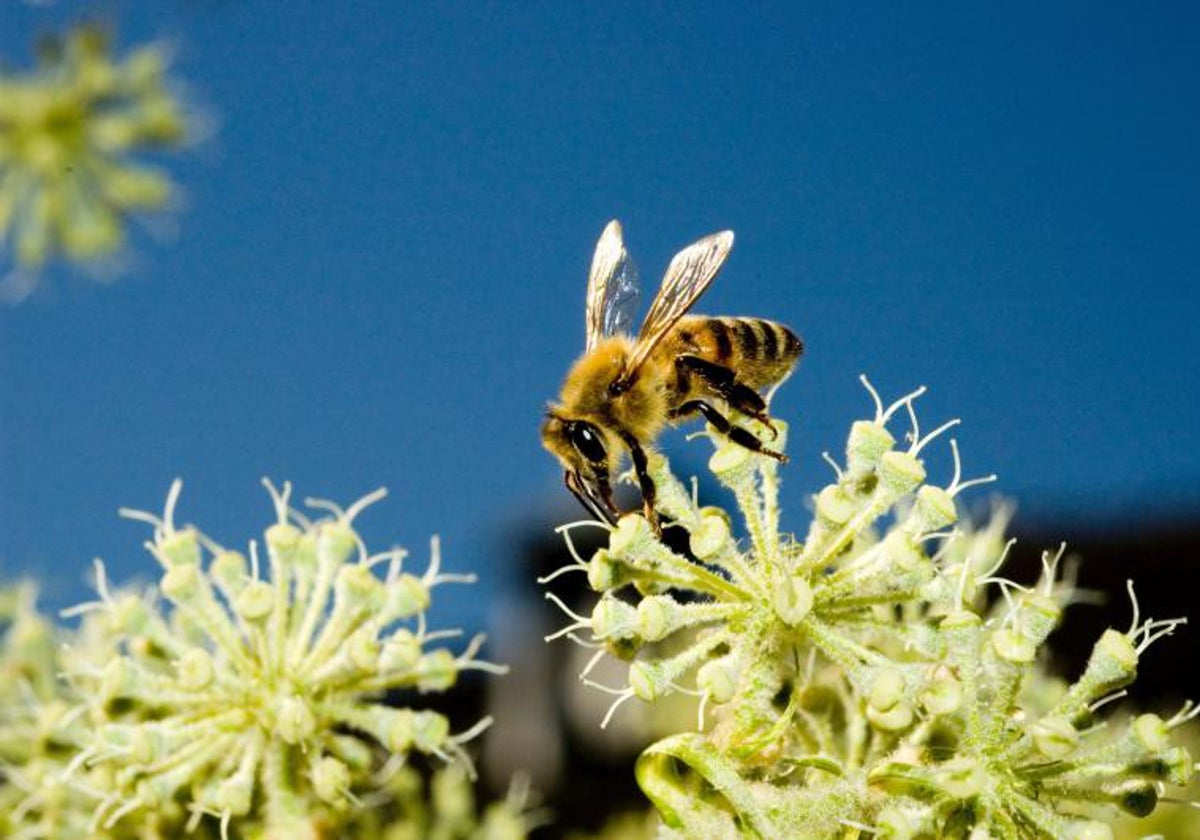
x=857 y=680
x=69 y=133
x=254 y=693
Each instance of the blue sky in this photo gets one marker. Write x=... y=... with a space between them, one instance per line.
x=378 y=275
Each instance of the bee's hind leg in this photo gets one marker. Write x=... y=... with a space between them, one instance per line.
x=723 y=382
x=735 y=433
x=649 y=492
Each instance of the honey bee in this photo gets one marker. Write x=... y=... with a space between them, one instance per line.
x=620 y=394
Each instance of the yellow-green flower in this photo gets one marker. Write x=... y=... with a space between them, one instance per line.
x=856 y=683
x=256 y=693
x=69 y=131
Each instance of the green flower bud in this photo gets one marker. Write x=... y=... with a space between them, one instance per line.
x=336 y=541
x=438 y=671
x=230 y=570
x=960 y=778
x=256 y=601
x=792 y=599
x=1151 y=732
x=363 y=650
x=182 y=583
x=718 y=678
x=604 y=572
x=294 y=721
x=900 y=472
x=180 y=548
x=835 y=507
x=729 y=459
x=401 y=652
x=887 y=691
x=933 y=511
x=1013 y=647
x=867 y=443
x=657 y=617
x=398 y=730
x=331 y=780
x=1054 y=737
x=234 y=795
x=406 y=597
x=710 y=536
x=430 y=731
x=195 y=669
x=943 y=696
x=613 y=618
x=283 y=538
x=895 y=719
x=631 y=537
x=1112 y=665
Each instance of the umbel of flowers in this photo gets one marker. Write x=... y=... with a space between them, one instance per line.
x=69 y=129
x=250 y=698
x=856 y=683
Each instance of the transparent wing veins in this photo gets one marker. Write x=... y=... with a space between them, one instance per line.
x=691 y=272
x=613 y=292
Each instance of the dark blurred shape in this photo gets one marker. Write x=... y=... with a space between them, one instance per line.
x=1162 y=558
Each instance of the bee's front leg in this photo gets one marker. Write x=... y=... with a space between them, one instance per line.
x=645 y=482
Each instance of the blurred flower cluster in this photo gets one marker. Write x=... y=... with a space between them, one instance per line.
x=69 y=131
x=878 y=678
x=243 y=698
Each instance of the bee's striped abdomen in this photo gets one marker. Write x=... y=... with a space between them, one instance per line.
x=759 y=352
x=757 y=339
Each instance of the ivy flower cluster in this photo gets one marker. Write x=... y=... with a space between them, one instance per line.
x=251 y=698
x=68 y=131
x=857 y=682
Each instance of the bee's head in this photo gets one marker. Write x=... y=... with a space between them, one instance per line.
x=583 y=447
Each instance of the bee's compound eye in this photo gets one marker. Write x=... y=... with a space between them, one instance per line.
x=586 y=439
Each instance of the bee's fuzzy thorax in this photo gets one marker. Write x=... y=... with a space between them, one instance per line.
x=639 y=411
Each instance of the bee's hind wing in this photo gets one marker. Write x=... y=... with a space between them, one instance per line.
x=689 y=274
